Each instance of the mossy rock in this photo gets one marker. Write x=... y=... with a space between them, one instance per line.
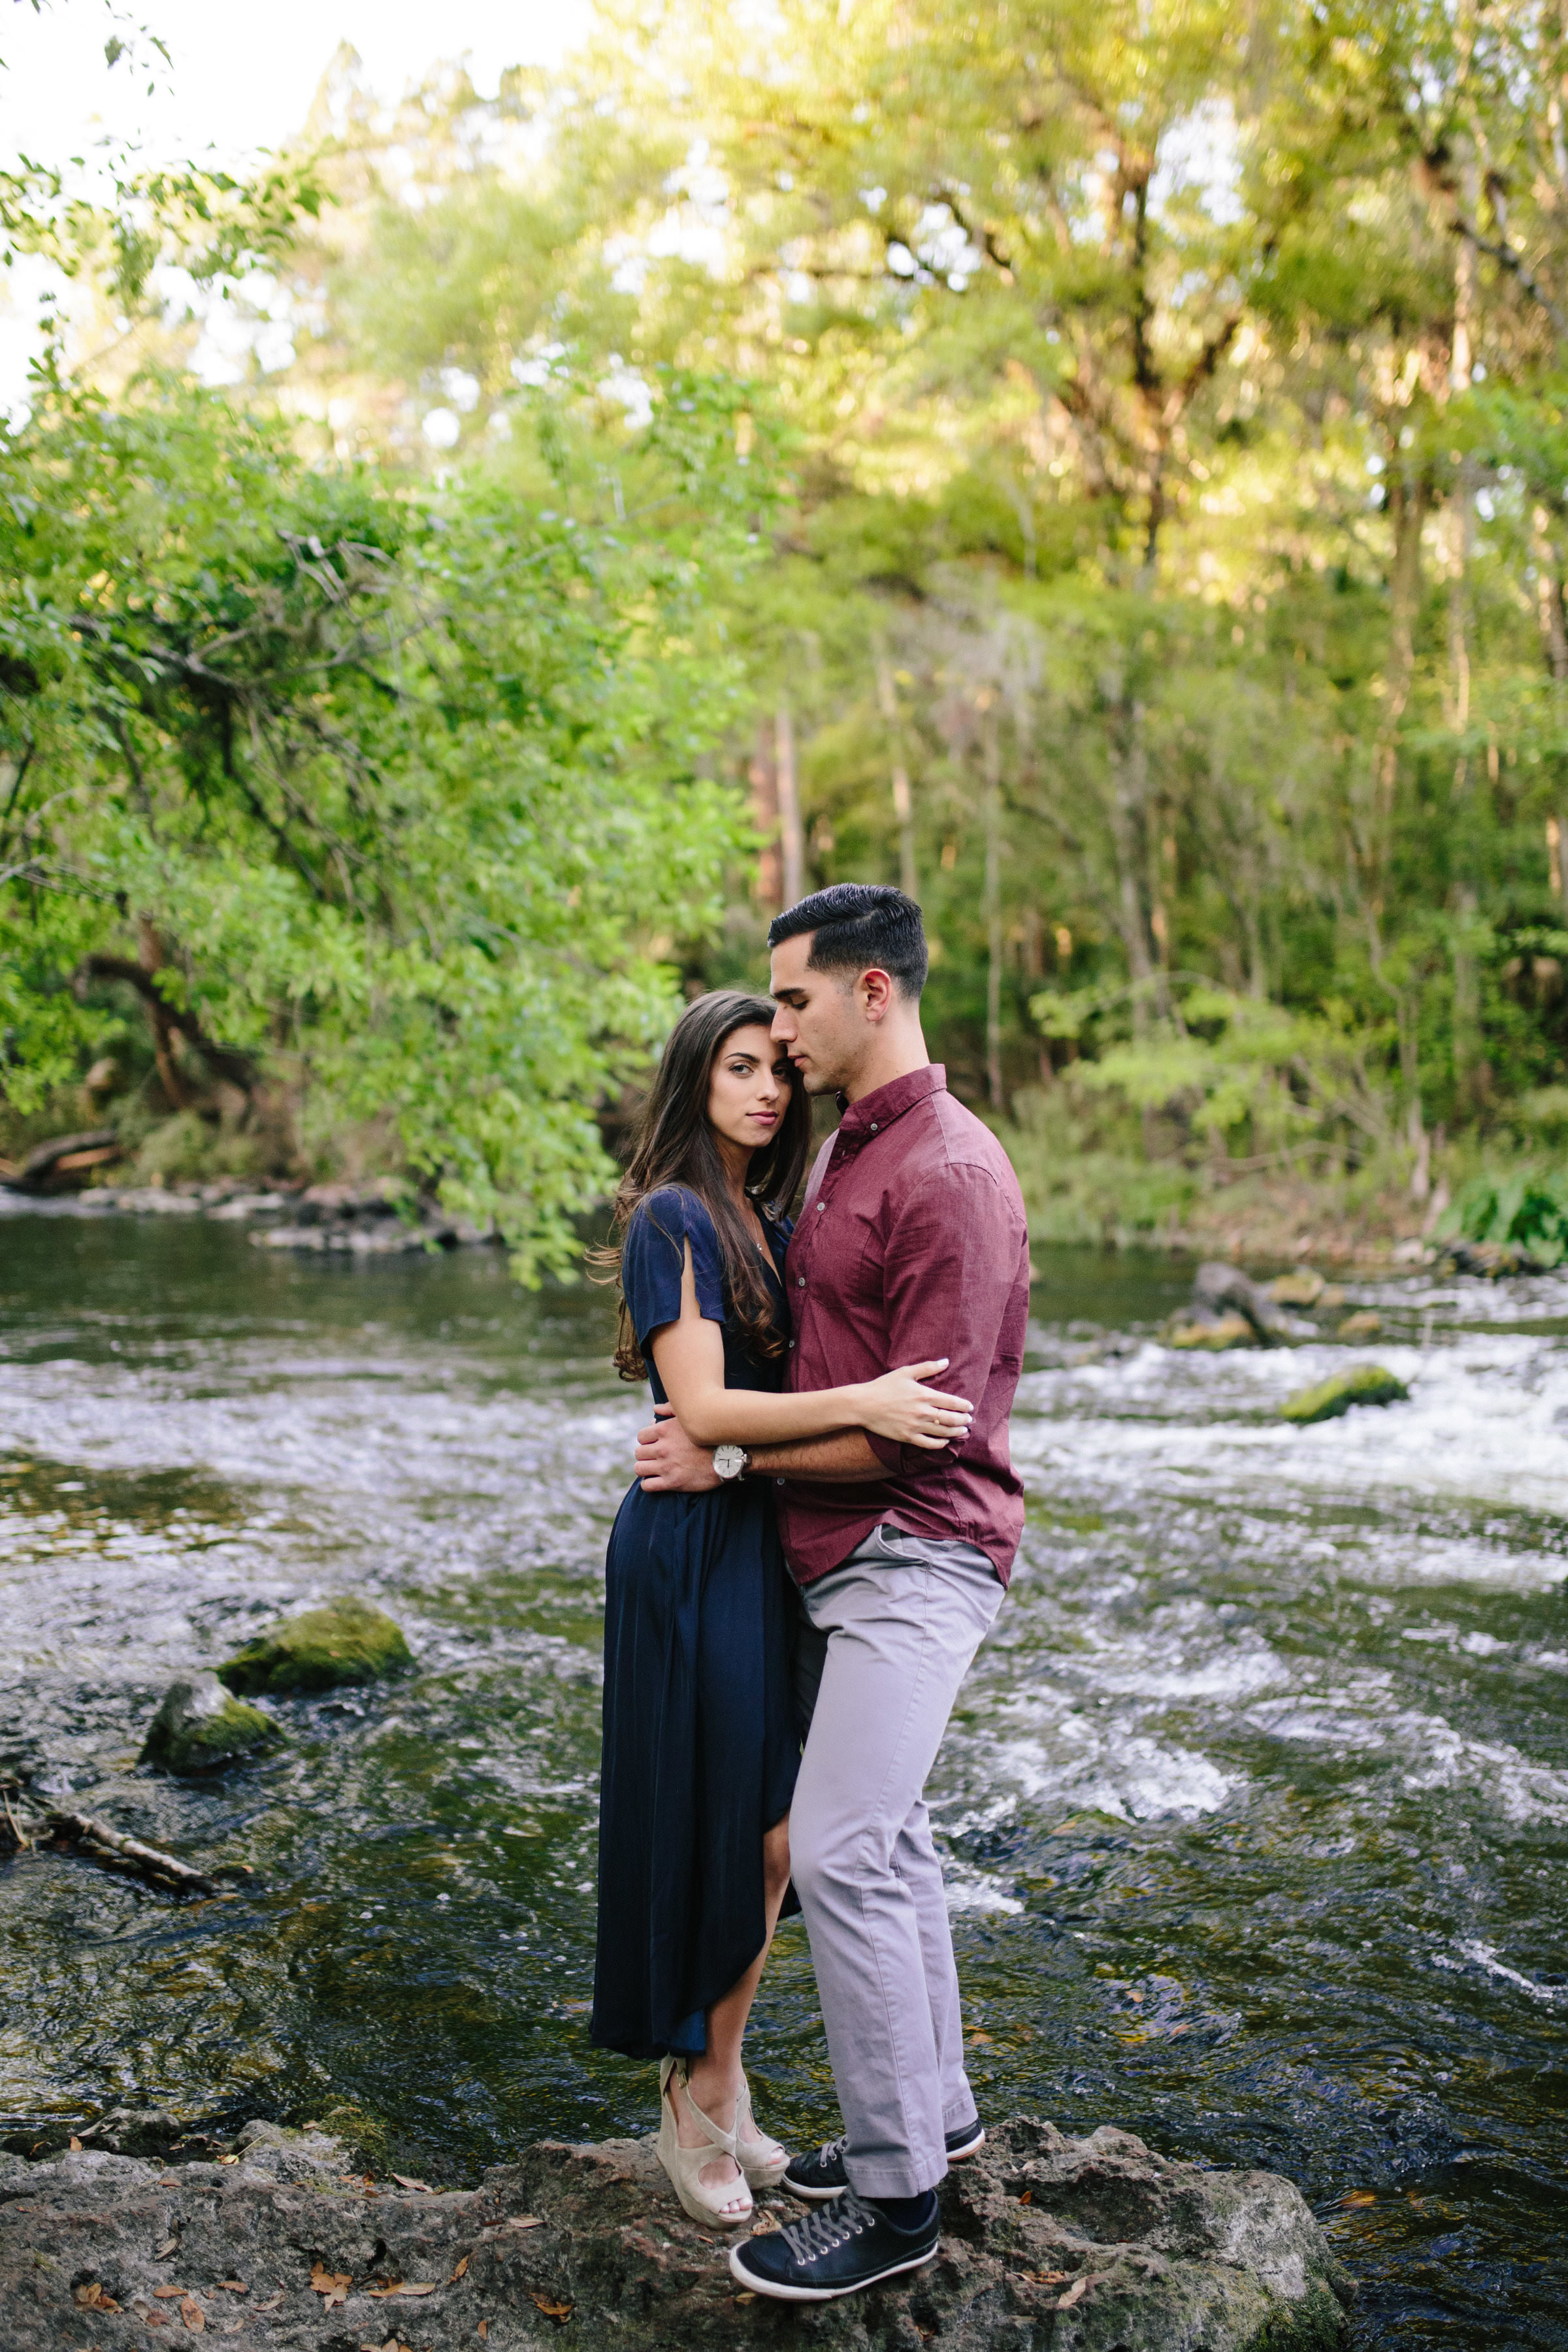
x=1302 y=1287
x=199 y=1728
x=1215 y=1333
x=1369 y=1384
x=344 y=1641
x=357 y=2129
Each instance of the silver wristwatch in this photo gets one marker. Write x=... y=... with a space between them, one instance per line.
x=730 y=1461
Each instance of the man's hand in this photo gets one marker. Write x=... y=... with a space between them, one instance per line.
x=666 y=1461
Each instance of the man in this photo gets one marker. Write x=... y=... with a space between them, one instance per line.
x=911 y=1245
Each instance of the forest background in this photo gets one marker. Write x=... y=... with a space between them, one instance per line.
x=1104 y=468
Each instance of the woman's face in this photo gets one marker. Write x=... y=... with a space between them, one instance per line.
x=747 y=1088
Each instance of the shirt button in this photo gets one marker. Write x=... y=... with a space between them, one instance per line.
x=778 y=1482
x=792 y=1343
x=800 y=1281
x=873 y=1127
x=820 y=1206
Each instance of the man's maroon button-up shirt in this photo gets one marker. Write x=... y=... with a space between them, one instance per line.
x=912 y=1244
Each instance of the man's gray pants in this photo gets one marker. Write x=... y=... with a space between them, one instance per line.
x=885 y=1643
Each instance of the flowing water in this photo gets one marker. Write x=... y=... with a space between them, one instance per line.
x=1256 y=1806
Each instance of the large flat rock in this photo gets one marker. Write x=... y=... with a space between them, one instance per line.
x=1082 y=2246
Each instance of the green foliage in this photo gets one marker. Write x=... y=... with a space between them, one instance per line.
x=398 y=793
x=1526 y=1210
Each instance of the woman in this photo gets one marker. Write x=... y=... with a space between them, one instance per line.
x=700 y=1750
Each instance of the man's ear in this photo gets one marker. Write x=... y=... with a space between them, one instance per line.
x=876 y=994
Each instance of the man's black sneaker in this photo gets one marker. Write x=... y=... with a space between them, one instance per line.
x=816 y=2179
x=836 y=2251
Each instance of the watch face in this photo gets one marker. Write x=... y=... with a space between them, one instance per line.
x=729 y=1460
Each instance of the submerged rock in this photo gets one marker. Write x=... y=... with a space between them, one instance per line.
x=1222 y=1331
x=1302 y=1287
x=1083 y=2245
x=1228 y=1310
x=199 y=1728
x=344 y=1641
x=1368 y=1384
x=1364 y=1325
x=1220 y=1289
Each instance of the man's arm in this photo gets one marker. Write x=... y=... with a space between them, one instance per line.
x=844 y=1459
x=668 y=1462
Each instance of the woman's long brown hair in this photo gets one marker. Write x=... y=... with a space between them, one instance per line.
x=673 y=1144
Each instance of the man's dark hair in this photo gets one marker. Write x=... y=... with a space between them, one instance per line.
x=859 y=926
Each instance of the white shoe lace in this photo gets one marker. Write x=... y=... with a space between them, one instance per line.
x=826 y=2228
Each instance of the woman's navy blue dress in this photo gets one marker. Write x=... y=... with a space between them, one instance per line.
x=700 y=1748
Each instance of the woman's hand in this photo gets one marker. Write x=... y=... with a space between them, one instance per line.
x=900 y=1407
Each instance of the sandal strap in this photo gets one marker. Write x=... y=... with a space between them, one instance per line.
x=725 y=2141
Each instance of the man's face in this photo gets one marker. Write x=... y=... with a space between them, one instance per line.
x=820 y=1022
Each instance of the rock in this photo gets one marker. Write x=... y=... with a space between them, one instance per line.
x=1490 y=1259
x=1116 y=2247
x=1331 y=1299
x=1364 y=1325
x=1304 y=1288
x=1368 y=1384
x=199 y=1726
x=1222 y=1331
x=345 y=1641
x=1219 y=1289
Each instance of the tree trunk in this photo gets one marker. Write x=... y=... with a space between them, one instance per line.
x=903 y=802
x=791 y=840
x=1470 y=1074
x=992 y=745
x=765 y=817
x=1554 y=644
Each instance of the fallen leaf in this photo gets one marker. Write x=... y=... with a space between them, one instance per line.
x=168 y=2181
x=76 y=2146
x=234 y=2286
x=523 y=2222
x=1027 y=2198
x=552 y=2310
x=418 y=2286
x=171 y=2294
x=747 y=2297
x=484 y=2329
x=193 y=2315
x=766 y=2224
x=457 y=2274
x=92 y=2298
x=228 y=2159
x=979 y=2037
x=404 y=2182
x=1074 y=2294
x=155 y=2319
x=271 y=2304
x=334 y=2285
x=1046 y=2278
x=388 y=2286
x=172 y=2247
x=1359 y=2196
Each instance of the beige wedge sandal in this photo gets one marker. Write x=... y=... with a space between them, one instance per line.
x=761 y=2159
x=719 y=2203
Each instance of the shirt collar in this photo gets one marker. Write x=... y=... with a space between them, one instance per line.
x=878 y=1109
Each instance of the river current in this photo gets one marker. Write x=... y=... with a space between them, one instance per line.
x=1255 y=1806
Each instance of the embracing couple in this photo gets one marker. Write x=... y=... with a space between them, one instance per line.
x=818 y=1541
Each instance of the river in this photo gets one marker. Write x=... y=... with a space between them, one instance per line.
x=1255 y=1804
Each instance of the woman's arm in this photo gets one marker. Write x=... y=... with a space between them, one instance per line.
x=689 y=1355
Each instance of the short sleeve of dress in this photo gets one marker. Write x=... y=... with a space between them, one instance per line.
x=653 y=1257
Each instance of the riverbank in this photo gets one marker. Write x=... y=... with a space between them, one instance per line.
x=277 y=2239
